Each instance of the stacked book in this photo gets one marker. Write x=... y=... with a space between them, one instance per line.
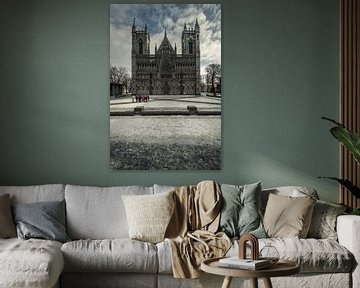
x=248 y=264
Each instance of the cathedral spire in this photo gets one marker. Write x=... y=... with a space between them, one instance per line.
x=197 y=27
x=165 y=44
x=134 y=25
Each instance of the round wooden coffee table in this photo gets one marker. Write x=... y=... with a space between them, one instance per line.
x=281 y=268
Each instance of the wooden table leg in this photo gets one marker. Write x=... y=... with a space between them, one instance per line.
x=227 y=282
x=254 y=282
x=267 y=283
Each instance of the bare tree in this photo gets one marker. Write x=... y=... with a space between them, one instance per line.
x=126 y=82
x=114 y=75
x=213 y=75
x=119 y=75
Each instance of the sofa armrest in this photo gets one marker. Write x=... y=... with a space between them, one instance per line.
x=348 y=230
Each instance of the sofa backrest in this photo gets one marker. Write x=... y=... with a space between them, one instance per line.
x=293 y=191
x=98 y=212
x=35 y=193
x=162 y=188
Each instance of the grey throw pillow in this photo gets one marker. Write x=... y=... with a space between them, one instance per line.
x=44 y=220
x=240 y=213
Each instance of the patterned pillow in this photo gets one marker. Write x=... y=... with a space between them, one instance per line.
x=323 y=222
x=240 y=210
x=149 y=215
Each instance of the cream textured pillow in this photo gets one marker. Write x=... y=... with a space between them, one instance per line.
x=7 y=226
x=288 y=217
x=149 y=215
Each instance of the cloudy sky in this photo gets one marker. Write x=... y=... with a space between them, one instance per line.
x=159 y=17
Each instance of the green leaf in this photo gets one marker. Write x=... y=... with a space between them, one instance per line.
x=355 y=211
x=348 y=138
x=347 y=184
x=333 y=121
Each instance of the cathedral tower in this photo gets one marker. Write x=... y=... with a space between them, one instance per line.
x=190 y=43
x=140 y=40
x=140 y=45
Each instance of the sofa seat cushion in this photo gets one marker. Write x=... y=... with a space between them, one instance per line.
x=313 y=255
x=164 y=257
x=110 y=255
x=30 y=263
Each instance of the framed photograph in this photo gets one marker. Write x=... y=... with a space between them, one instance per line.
x=165 y=86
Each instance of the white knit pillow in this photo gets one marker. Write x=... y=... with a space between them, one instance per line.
x=149 y=215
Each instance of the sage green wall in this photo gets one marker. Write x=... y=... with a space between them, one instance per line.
x=280 y=75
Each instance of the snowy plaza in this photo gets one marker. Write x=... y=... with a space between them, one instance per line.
x=169 y=142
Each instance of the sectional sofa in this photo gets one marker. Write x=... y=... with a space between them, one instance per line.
x=100 y=253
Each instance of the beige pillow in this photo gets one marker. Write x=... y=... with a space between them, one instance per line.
x=288 y=217
x=149 y=215
x=7 y=226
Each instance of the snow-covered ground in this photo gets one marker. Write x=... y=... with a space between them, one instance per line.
x=165 y=142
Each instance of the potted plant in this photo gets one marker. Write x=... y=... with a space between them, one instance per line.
x=351 y=141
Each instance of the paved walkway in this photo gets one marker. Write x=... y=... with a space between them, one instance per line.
x=167 y=104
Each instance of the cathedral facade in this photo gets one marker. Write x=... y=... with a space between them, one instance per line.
x=166 y=72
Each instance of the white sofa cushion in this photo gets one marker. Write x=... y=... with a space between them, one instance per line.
x=30 y=263
x=36 y=193
x=163 y=188
x=313 y=255
x=348 y=229
x=116 y=255
x=98 y=213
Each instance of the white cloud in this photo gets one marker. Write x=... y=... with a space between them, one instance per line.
x=159 y=17
x=120 y=48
